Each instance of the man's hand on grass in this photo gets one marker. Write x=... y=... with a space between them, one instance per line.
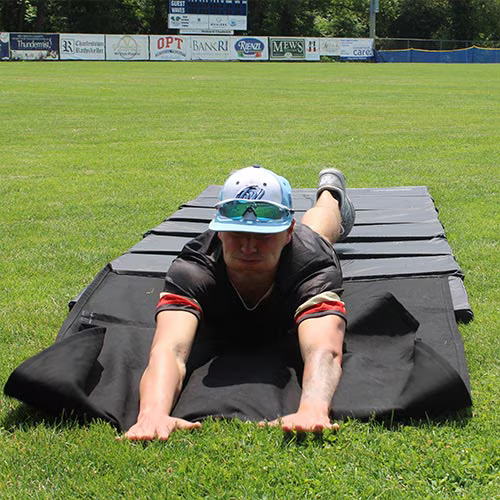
x=160 y=427
x=302 y=422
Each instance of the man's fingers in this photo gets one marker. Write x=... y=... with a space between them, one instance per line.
x=272 y=423
x=161 y=432
x=184 y=424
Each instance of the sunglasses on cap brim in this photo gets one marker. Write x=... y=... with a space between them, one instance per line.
x=237 y=209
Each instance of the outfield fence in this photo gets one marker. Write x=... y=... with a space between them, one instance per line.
x=101 y=47
x=77 y=46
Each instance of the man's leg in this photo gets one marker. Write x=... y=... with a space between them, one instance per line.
x=333 y=214
x=324 y=217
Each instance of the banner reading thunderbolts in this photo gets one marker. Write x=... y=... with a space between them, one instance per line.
x=81 y=47
x=34 y=46
x=169 y=48
x=4 y=46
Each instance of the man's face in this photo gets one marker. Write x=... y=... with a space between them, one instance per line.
x=253 y=252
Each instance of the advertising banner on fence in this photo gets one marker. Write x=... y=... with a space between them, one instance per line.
x=329 y=47
x=312 y=49
x=127 y=47
x=34 y=46
x=249 y=48
x=356 y=48
x=77 y=47
x=287 y=49
x=169 y=48
x=4 y=46
x=210 y=48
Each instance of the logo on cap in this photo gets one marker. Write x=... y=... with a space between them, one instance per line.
x=251 y=193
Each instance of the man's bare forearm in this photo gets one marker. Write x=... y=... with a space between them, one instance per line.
x=321 y=342
x=322 y=373
x=161 y=383
x=162 y=380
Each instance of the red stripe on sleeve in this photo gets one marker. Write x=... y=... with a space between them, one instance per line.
x=330 y=305
x=171 y=299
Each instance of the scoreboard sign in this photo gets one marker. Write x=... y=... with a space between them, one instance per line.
x=207 y=14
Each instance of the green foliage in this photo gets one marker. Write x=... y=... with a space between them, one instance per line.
x=442 y=19
x=95 y=154
x=344 y=18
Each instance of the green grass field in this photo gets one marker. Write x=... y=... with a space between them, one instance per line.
x=94 y=154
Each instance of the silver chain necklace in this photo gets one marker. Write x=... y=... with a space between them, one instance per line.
x=258 y=302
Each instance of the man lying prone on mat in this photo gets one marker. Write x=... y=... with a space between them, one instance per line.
x=277 y=272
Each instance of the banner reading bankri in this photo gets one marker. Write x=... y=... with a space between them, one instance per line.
x=34 y=46
x=210 y=48
x=73 y=46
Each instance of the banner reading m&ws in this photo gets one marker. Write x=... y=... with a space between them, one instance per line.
x=287 y=49
x=4 y=46
x=34 y=46
x=127 y=47
x=169 y=48
x=73 y=46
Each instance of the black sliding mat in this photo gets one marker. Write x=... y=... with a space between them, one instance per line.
x=403 y=355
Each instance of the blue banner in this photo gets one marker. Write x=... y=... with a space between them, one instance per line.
x=34 y=46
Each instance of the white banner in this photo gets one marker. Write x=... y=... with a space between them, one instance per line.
x=249 y=48
x=329 y=47
x=169 y=48
x=81 y=47
x=127 y=47
x=356 y=48
x=4 y=46
x=312 y=49
x=210 y=48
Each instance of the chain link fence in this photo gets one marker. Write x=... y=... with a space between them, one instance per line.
x=426 y=44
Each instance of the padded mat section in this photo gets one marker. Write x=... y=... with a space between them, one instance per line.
x=397 y=234
x=403 y=357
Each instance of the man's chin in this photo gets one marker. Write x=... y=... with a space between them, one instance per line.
x=247 y=264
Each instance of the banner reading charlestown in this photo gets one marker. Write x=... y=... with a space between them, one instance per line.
x=34 y=46
x=74 y=46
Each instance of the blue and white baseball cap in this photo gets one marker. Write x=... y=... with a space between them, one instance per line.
x=254 y=200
